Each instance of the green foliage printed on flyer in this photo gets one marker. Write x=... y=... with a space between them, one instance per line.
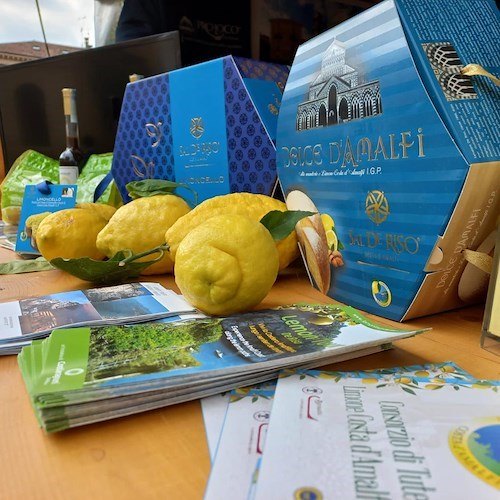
x=114 y=356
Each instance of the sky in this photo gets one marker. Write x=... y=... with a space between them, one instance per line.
x=66 y=22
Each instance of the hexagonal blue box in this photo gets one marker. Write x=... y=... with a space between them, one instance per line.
x=389 y=127
x=210 y=126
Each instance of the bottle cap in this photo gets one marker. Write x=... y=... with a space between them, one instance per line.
x=69 y=103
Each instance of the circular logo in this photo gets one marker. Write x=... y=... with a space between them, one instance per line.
x=381 y=293
x=308 y=493
x=262 y=416
x=74 y=371
x=376 y=206
x=477 y=447
x=311 y=390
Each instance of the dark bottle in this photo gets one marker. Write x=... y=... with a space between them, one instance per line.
x=71 y=159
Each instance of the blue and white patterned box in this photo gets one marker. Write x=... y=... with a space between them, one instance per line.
x=381 y=131
x=211 y=126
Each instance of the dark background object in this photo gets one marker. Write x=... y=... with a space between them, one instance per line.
x=31 y=107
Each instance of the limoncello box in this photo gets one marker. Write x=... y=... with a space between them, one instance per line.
x=210 y=126
x=389 y=128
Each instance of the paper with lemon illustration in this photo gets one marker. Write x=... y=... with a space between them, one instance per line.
x=91 y=374
x=334 y=436
x=236 y=424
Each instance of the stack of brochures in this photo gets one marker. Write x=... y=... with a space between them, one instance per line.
x=429 y=431
x=83 y=375
x=34 y=318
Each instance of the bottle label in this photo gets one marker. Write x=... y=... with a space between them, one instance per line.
x=68 y=174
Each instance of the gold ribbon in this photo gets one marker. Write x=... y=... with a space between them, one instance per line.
x=479 y=259
x=476 y=69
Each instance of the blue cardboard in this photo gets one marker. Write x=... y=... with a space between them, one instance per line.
x=210 y=126
x=381 y=131
x=37 y=199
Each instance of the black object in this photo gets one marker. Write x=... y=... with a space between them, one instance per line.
x=31 y=110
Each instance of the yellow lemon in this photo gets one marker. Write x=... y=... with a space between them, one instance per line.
x=332 y=240
x=448 y=369
x=402 y=380
x=140 y=225
x=11 y=215
x=33 y=221
x=70 y=233
x=252 y=205
x=106 y=211
x=369 y=380
x=432 y=387
x=227 y=264
x=327 y=221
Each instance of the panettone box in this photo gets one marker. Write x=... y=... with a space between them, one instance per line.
x=386 y=130
x=210 y=126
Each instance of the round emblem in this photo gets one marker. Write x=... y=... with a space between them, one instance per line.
x=376 y=206
x=476 y=446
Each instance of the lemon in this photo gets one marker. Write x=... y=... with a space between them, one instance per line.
x=369 y=380
x=332 y=240
x=327 y=221
x=70 y=233
x=252 y=205
x=227 y=264
x=140 y=225
x=106 y=211
x=11 y=215
x=34 y=220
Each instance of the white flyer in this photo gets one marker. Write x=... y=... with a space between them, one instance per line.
x=241 y=443
x=350 y=437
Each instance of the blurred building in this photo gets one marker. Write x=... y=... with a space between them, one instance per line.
x=17 y=52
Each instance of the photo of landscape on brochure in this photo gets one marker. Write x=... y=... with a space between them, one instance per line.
x=172 y=361
x=126 y=303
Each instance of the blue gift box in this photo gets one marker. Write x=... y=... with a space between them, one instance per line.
x=383 y=130
x=210 y=126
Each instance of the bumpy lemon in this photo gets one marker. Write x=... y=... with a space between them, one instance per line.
x=106 y=211
x=70 y=233
x=140 y=225
x=252 y=205
x=227 y=264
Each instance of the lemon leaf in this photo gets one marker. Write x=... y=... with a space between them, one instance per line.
x=121 y=267
x=281 y=224
x=153 y=187
x=25 y=266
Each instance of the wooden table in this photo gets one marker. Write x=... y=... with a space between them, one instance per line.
x=163 y=454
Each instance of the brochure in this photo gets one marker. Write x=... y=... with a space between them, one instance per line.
x=332 y=436
x=27 y=319
x=241 y=443
x=87 y=374
x=213 y=409
x=246 y=412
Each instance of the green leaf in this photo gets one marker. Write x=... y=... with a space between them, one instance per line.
x=408 y=390
x=153 y=187
x=25 y=266
x=281 y=224
x=121 y=267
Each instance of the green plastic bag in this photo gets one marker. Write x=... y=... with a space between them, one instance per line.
x=29 y=168
x=33 y=167
x=93 y=172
